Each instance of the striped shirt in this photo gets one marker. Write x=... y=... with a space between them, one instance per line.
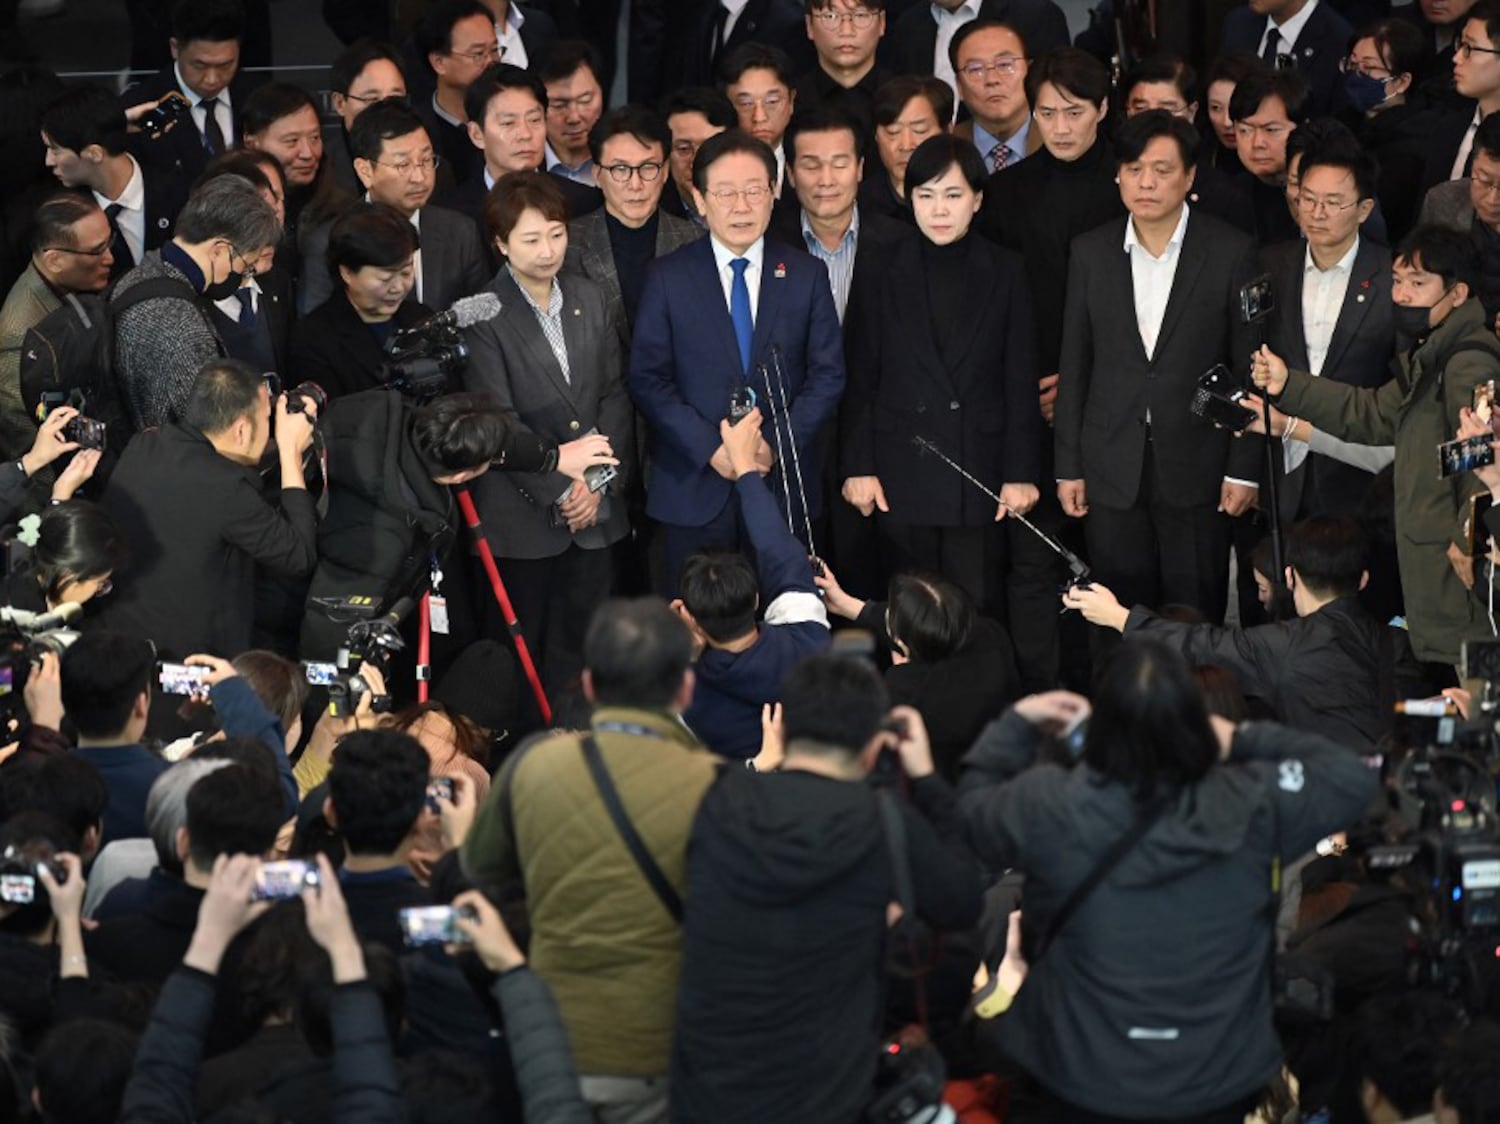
x=550 y=318
x=840 y=262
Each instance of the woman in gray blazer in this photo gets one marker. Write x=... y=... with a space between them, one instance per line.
x=552 y=359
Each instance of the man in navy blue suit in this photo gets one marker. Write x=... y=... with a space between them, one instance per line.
x=728 y=312
x=1307 y=36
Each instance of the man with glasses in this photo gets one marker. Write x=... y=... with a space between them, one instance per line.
x=773 y=329
x=922 y=40
x=1265 y=108
x=1472 y=207
x=693 y=114
x=990 y=61
x=1440 y=23
x=395 y=161
x=1476 y=75
x=457 y=40
x=1333 y=319
x=162 y=342
x=845 y=34
x=575 y=101
x=70 y=254
x=758 y=82
x=362 y=75
x=1307 y=36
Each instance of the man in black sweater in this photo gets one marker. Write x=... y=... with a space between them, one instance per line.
x=1335 y=670
x=789 y=879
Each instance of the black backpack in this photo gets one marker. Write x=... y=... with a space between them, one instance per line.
x=69 y=357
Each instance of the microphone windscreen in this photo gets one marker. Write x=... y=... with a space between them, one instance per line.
x=475 y=310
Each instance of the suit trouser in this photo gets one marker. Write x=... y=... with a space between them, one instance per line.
x=1154 y=553
x=554 y=598
x=725 y=531
x=972 y=558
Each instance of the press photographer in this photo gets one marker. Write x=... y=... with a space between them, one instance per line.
x=391 y=519
x=1169 y=814
x=191 y=503
x=1444 y=349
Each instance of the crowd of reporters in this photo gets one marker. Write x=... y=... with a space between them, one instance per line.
x=620 y=825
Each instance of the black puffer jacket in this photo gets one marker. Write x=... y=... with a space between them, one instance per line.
x=387 y=518
x=1153 y=1001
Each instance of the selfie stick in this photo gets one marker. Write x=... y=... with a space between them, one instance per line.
x=1076 y=565
x=1278 y=556
x=786 y=419
x=471 y=519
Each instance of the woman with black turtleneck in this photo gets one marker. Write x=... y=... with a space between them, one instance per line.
x=943 y=348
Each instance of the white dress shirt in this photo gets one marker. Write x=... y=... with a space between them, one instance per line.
x=223 y=112
x=734 y=9
x=131 y=217
x=723 y=257
x=1289 y=31
x=948 y=24
x=1323 y=292
x=508 y=34
x=1152 y=279
x=1466 y=146
x=231 y=307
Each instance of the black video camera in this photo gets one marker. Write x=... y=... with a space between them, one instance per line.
x=423 y=362
x=372 y=640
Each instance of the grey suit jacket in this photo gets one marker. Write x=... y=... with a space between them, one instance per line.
x=453 y=261
x=590 y=254
x=510 y=358
x=1448 y=204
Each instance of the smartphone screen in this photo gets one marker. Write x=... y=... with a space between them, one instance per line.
x=430 y=924
x=180 y=679
x=275 y=882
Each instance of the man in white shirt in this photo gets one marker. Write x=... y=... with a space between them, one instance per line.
x=84 y=132
x=1476 y=74
x=1307 y=36
x=1152 y=304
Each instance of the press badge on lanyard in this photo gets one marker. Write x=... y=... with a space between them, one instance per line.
x=437 y=604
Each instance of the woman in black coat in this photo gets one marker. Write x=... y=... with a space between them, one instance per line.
x=340 y=345
x=943 y=348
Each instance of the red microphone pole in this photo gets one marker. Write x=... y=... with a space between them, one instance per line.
x=471 y=518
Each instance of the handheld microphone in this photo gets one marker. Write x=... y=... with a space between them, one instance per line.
x=465 y=313
x=28 y=621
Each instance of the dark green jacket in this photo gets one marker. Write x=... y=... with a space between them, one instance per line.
x=1416 y=411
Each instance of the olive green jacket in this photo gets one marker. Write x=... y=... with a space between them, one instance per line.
x=601 y=938
x=1416 y=411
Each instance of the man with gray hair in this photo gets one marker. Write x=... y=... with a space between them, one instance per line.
x=223 y=235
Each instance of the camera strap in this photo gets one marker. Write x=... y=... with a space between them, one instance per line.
x=663 y=887
x=893 y=827
x=1107 y=862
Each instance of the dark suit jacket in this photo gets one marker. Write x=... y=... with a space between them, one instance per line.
x=1323 y=42
x=180 y=151
x=1364 y=339
x=468 y=198
x=1108 y=384
x=511 y=359
x=198 y=526
x=779 y=23
x=590 y=253
x=685 y=366
x=334 y=348
x=908 y=46
x=538 y=32
x=276 y=310
x=165 y=195
x=980 y=409
x=453 y=260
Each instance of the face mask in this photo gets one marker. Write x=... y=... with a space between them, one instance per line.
x=220 y=290
x=1411 y=323
x=1365 y=93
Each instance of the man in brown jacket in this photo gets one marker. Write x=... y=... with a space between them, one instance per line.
x=605 y=916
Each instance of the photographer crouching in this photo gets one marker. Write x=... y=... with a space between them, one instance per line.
x=1149 y=872
x=391 y=518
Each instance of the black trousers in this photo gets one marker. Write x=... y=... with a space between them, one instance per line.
x=972 y=558
x=554 y=599
x=1157 y=554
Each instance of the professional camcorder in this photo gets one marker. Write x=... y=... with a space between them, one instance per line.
x=422 y=361
x=24 y=639
x=372 y=640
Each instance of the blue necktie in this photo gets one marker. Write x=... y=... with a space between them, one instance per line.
x=739 y=310
x=247 y=309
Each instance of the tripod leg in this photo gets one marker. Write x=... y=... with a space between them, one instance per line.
x=471 y=518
